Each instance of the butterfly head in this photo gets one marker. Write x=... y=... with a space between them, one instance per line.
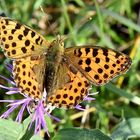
x=60 y=40
x=57 y=46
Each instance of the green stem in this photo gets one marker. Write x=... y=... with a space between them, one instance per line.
x=72 y=33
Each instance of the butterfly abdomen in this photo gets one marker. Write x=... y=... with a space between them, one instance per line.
x=49 y=78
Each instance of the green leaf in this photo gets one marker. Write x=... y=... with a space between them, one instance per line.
x=126 y=21
x=25 y=124
x=127 y=129
x=9 y=130
x=121 y=92
x=49 y=124
x=80 y=3
x=80 y=134
x=36 y=137
x=28 y=133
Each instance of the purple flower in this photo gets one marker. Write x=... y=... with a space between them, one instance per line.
x=38 y=115
x=39 y=111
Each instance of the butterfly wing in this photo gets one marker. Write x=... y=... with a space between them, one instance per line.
x=71 y=93
x=29 y=76
x=19 y=41
x=97 y=64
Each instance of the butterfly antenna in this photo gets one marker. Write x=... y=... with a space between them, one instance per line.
x=59 y=37
x=49 y=24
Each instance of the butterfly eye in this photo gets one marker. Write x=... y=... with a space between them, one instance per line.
x=62 y=44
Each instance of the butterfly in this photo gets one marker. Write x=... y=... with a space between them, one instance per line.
x=65 y=74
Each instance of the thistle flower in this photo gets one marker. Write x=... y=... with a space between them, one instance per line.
x=39 y=113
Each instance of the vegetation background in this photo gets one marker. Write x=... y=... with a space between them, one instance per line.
x=115 y=114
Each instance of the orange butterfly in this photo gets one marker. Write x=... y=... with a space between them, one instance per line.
x=64 y=73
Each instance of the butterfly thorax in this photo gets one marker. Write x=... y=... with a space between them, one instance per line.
x=55 y=51
x=54 y=58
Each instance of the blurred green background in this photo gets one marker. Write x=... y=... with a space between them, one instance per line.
x=108 y=23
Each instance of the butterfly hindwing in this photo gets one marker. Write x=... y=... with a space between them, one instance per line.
x=72 y=93
x=28 y=75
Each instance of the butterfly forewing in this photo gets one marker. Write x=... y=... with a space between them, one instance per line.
x=29 y=75
x=18 y=40
x=98 y=65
